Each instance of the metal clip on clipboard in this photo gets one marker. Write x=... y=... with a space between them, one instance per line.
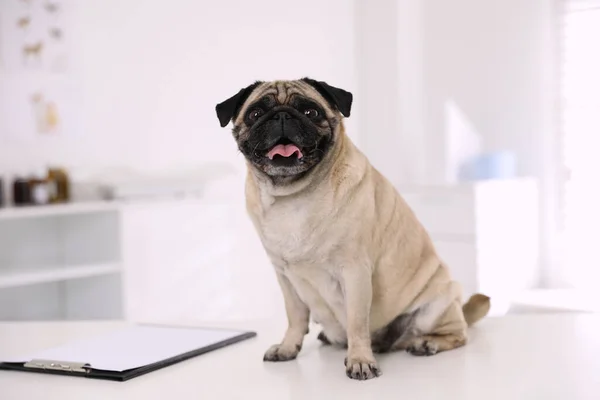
x=58 y=365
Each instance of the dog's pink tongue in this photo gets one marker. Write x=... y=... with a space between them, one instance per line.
x=284 y=150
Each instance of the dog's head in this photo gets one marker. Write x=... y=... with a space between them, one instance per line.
x=285 y=128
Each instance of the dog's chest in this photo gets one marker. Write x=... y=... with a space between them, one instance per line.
x=307 y=250
x=293 y=234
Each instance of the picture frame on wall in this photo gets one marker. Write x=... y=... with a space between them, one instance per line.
x=39 y=107
x=35 y=36
x=40 y=96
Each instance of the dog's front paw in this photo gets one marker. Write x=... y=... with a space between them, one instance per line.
x=280 y=352
x=361 y=368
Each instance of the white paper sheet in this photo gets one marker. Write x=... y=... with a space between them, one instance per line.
x=131 y=347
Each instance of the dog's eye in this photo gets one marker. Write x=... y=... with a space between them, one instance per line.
x=255 y=114
x=311 y=113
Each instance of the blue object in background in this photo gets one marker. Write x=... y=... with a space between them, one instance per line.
x=495 y=165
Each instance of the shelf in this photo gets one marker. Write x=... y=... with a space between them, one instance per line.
x=45 y=275
x=52 y=210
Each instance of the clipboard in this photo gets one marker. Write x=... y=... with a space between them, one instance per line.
x=126 y=353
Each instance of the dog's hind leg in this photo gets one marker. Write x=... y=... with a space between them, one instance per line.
x=449 y=332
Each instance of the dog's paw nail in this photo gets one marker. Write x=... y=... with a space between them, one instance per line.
x=375 y=369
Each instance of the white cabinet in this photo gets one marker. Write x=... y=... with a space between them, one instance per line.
x=156 y=261
x=60 y=262
x=178 y=258
x=487 y=232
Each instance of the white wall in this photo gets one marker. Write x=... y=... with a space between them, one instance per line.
x=390 y=79
x=490 y=58
x=493 y=58
x=153 y=71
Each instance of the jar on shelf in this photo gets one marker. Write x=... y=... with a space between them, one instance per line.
x=2 y=195
x=40 y=187
x=58 y=181
x=21 y=191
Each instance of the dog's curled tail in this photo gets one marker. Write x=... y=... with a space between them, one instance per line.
x=476 y=308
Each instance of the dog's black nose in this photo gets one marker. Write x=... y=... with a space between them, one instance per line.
x=282 y=115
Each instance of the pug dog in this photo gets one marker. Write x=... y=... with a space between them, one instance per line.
x=348 y=252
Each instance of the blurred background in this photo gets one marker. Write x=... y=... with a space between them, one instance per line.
x=121 y=196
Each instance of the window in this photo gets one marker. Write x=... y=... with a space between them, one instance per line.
x=581 y=142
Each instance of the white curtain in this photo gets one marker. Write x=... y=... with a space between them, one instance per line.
x=581 y=141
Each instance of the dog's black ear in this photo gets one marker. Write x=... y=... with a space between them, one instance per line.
x=335 y=96
x=229 y=109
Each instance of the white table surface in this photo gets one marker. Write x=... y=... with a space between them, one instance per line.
x=533 y=357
